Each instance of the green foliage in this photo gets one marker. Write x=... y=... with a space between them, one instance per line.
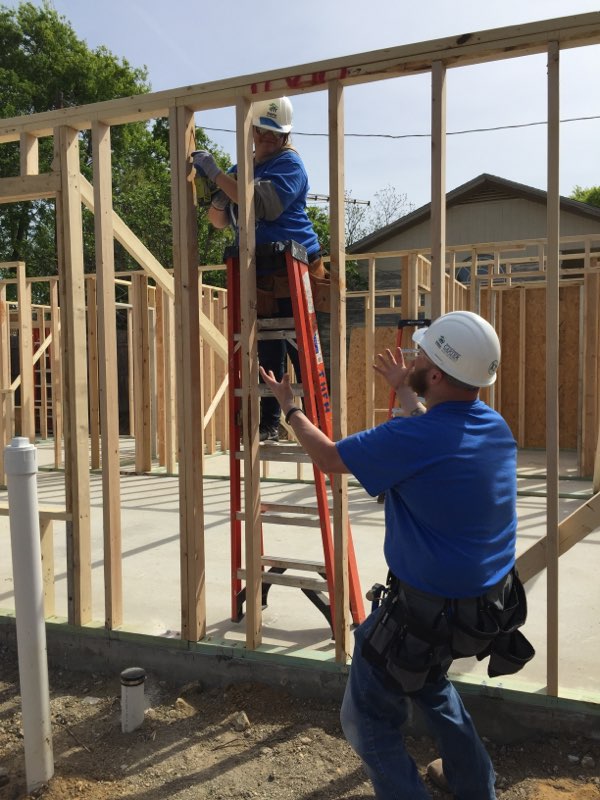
x=589 y=195
x=356 y=281
x=320 y=222
x=44 y=66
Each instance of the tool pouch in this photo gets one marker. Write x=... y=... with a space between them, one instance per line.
x=320 y=284
x=473 y=628
x=281 y=285
x=321 y=292
x=510 y=650
x=408 y=639
x=266 y=304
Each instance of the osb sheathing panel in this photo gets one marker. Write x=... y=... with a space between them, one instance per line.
x=535 y=368
x=569 y=365
x=510 y=303
x=534 y=389
x=356 y=392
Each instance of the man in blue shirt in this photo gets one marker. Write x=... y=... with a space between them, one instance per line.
x=280 y=192
x=449 y=477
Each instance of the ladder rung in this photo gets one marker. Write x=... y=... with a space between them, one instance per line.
x=289 y=563
x=278 y=334
x=284 y=508
x=276 y=323
x=271 y=335
x=283 y=454
x=314 y=584
x=276 y=519
x=263 y=390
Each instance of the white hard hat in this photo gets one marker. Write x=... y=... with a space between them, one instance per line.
x=463 y=345
x=273 y=115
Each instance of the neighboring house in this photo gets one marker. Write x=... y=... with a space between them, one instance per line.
x=486 y=209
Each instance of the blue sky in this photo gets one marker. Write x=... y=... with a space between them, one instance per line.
x=185 y=42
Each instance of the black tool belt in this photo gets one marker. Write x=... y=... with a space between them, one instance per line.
x=416 y=635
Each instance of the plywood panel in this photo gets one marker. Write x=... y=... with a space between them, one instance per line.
x=509 y=372
x=568 y=365
x=384 y=337
x=535 y=383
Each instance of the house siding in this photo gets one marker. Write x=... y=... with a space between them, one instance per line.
x=489 y=221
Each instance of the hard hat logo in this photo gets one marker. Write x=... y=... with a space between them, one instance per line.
x=493 y=367
x=273 y=115
x=447 y=349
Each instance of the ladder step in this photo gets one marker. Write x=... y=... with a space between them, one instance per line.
x=287 y=453
x=300 y=564
x=271 y=335
x=277 y=519
x=275 y=323
x=263 y=390
x=299 y=582
x=285 y=508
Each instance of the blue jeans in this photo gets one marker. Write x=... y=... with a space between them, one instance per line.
x=372 y=716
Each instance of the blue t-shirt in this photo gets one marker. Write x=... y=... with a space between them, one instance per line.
x=289 y=179
x=449 y=478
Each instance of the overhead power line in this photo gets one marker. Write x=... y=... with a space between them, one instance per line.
x=428 y=135
x=324 y=198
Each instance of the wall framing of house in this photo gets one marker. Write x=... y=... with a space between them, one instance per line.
x=69 y=189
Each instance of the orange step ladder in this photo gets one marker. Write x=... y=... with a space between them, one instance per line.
x=303 y=330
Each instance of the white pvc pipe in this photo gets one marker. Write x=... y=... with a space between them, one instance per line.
x=20 y=460
x=132 y=698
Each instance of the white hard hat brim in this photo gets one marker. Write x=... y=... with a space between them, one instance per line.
x=268 y=125
x=418 y=335
x=417 y=338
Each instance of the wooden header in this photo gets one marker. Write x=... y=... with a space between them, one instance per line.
x=452 y=51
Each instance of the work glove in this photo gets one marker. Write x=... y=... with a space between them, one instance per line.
x=220 y=200
x=205 y=164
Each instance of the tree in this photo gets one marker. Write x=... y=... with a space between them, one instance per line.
x=388 y=206
x=590 y=195
x=44 y=66
x=361 y=219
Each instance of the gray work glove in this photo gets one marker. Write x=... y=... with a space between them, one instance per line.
x=206 y=164
x=220 y=200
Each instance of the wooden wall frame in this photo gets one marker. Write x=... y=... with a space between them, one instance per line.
x=70 y=189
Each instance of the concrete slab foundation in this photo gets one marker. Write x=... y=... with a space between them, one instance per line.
x=297 y=650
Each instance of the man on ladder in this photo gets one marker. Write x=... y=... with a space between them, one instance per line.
x=280 y=190
x=449 y=477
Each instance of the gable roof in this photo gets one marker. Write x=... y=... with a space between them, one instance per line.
x=483 y=188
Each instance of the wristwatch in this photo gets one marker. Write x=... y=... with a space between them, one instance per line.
x=417 y=412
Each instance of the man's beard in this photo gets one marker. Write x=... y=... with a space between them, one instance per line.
x=417 y=380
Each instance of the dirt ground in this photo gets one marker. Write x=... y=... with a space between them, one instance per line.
x=245 y=741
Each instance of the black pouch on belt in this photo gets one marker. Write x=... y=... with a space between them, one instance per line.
x=387 y=627
x=473 y=627
x=510 y=650
x=408 y=639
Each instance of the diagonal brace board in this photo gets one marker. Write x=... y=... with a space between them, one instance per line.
x=571 y=530
x=153 y=268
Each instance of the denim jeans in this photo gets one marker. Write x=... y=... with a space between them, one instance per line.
x=372 y=716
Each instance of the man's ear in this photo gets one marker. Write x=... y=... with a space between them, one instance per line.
x=436 y=376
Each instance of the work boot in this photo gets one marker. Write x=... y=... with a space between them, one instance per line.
x=268 y=434
x=435 y=773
